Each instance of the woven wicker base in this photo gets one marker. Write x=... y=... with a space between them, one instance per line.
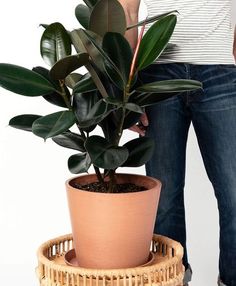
x=165 y=270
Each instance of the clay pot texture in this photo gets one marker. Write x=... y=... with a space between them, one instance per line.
x=112 y=231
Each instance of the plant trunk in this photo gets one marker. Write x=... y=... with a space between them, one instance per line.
x=112 y=186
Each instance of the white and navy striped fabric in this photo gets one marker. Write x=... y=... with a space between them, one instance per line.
x=204 y=33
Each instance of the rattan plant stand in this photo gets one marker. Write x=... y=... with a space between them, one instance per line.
x=165 y=270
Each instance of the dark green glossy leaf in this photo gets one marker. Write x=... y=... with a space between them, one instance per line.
x=54 y=97
x=140 y=151
x=89 y=129
x=107 y=16
x=133 y=107
x=90 y=3
x=86 y=84
x=111 y=69
x=24 y=121
x=175 y=85
x=72 y=79
x=146 y=99
x=115 y=101
x=23 y=81
x=131 y=118
x=82 y=42
x=45 y=73
x=103 y=155
x=83 y=103
x=151 y=19
x=43 y=25
x=53 y=124
x=65 y=66
x=70 y=140
x=155 y=41
x=113 y=91
x=120 y=52
x=79 y=163
x=77 y=42
x=89 y=109
x=55 y=43
x=98 y=78
x=108 y=126
x=82 y=14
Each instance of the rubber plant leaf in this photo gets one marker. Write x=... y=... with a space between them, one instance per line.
x=89 y=109
x=90 y=3
x=107 y=16
x=96 y=76
x=77 y=41
x=151 y=19
x=53 y=124
x=24 y=121
x=44 y=25
x=55 y=43
x=96 y=65
x=72 y=79
x=108 y=126
x=53 y=97
x=111 y=69
x=133 y=107
x=70 y=140
x=79 y=163
x=175 y=85
x=147 y=99
x=86 y=84
x=119 y=51
x=82 y=13
x=140 y=151
x=155 y=41
x=23 y=81
x=103 y=155
x=65 y=66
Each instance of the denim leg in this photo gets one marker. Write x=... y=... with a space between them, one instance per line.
x=169 y=125
x=214 y=120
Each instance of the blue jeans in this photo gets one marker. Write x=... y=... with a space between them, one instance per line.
x=212 y=111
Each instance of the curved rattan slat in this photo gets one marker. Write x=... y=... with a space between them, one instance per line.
x=166 y=270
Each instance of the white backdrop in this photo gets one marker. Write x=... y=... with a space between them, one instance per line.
x=33 y=205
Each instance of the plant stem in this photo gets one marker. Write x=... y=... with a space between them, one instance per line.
x=120 y=127
x=135 y=57
x=82 y=133
x=112 y=188
x=99 y=176
x=128 y=86
x=63 y=94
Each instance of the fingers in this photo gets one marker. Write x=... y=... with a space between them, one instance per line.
x=140 y=128
x=144 y=119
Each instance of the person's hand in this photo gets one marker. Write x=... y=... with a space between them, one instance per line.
x=140 y=128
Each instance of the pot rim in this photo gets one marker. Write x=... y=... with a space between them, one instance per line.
x=156 y=183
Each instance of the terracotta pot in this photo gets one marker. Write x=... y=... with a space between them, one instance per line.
x=113 y=230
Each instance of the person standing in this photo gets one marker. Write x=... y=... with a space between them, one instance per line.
x=204 y=49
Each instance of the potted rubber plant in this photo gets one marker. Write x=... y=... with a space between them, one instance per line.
x=112 y=214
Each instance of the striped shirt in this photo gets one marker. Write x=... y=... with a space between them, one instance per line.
x=204 y=32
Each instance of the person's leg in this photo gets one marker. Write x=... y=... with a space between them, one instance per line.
x=214 y=120
x=169 y=124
